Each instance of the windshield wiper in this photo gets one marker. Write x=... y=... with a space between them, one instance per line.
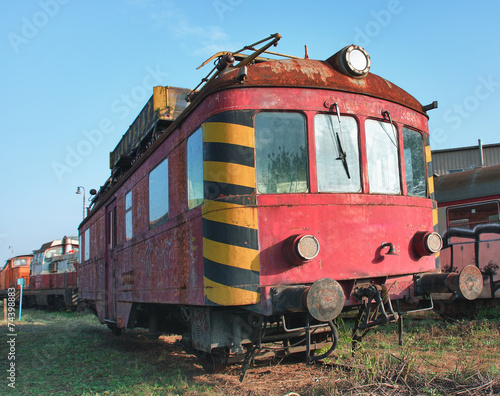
x=342 y=154
x=392 y=128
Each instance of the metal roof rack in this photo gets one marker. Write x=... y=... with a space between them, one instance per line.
x=224 y=59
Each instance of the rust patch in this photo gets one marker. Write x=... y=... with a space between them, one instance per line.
x=128 y=278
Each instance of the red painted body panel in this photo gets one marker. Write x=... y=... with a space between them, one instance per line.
x=159 y=265
x=350 y=230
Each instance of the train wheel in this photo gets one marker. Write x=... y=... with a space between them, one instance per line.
x=213 y=362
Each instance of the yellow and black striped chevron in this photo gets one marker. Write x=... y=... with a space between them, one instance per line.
x=229 y=155
x=430 y=184
x=74 y=297
x=230 y=232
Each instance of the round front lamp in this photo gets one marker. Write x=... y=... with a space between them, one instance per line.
x=300 y=249
x=307 y=247
x=427 y=243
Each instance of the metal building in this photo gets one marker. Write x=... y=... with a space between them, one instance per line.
x=463 y=158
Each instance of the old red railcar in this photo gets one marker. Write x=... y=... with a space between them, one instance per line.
x=468 y=207
x=53 y=276
x=15 y=268
x=288 y=190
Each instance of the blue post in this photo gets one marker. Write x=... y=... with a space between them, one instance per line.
x=20 y=282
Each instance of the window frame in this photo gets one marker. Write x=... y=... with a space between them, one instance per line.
x=86 y=243
x=404 y=129
x=397 y=158
x=469 y=224
x=129 y=215
x=194 y=202
x=165 y=192
x=306 y=152
x=358 y=141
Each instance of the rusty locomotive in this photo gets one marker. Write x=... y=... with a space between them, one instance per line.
x=284 y=191
x=468 y=207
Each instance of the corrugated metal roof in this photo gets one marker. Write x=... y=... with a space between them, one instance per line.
x=463 y=158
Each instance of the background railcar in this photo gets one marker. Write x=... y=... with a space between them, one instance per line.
x=53 y=276
x=468 y=206
x=15 y=268
x=288 y=190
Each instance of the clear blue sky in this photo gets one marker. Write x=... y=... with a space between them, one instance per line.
x=75 y=74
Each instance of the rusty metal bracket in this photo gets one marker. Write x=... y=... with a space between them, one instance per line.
x=335 y=341
x=256 y=338
x=369 y=318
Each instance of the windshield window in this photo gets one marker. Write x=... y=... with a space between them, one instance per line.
x=18 y=262
x=414 y=163
x=52 y=253
x=335 y=172
x=281 y=153
x=382 y=155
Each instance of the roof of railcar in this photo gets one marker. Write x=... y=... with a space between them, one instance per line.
x=309 y=73
x=73 y=240
x=470 y=184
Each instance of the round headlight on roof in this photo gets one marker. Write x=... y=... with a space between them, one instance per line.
x=356 y=60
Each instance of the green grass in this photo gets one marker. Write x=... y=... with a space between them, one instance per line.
x=73 y=354
x=438 y=357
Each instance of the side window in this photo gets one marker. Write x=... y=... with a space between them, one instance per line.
x=195 y=169
x=86 y=243
x=414 y=163
x=281 y=153
x=158 y=194
x=80 y=253
x=128 y=216
x=111 y=229
x=469 y=216
x=337 y=154
x=382 y=155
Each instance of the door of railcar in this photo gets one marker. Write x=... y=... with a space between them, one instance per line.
x=110 y=281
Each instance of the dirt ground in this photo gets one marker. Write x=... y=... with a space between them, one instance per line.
x=267 y=377
x=293 y=377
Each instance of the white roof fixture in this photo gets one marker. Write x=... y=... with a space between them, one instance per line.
x=353 y=61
